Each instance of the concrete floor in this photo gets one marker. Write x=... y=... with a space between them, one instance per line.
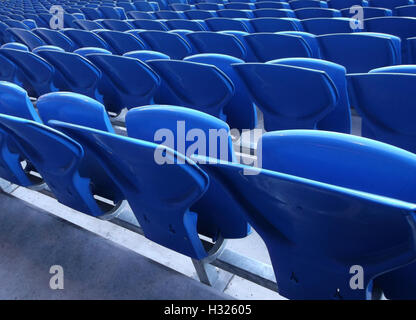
x=142 y=249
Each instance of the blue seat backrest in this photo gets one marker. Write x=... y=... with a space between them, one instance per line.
x=368 y=12
x=140 y=15
x=143 y=6
x=308 y=13
x=112 y=13
x=240 y=6
x=159 y=202
x=194 y=85
x=73 y=72
x=57 y=158
x=120 y=42
x=89 y=50
x=55 y=38
x=320 y=221
x=177 y=122
x=310 y=39
x=275 y=24
x=382 y=100
x=215 y=42
x=320 y=26
x=91 y=13
x=127 y=6
x=222 y=24
x=343 y=4
x=389 y=4
x=289 y=97
x=84 y=38
x=272 y=5
x=87 y=25
x=240 y=111
x=402 y=27
x=117 y=25
x=360 y=52
x=145 y=55
x=34 y=74
x=273 y=13
x=200 y=14
x=299 y=4
x=126 y=82
x=235 y=13
x=166 y=14
x=171 y=44
x=406 y=11
x=146 y=24
x=340 y=118
x=15 y=45
x=209 y=6
x=24 y=36
x=16 y=24
x=271 y=46
x=184 y=25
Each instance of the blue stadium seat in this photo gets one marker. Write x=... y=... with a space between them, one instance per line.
x=272 y=5
x=15 y=45
x=271 y=46
x=184 y=25
x=382 y=100
x=73 y=72
x=222 y=24
x=345 y=4
x=193 y=85
x=165 y=14
x=24 y=36
x=240 y=112
x=209 y=6
x=368 y=12
x=91 y=50
x=406 y=11
x=141 y=15
x=181 y=6
x=33 y=73
x=361 y=52
x=234 y=13
x=84 y=38
x=310 y=252
x=54 y=38
x=170 y=44
x=87 y=25
x=16 y=24
x=239 y=6
x=309 y=13
x=126 y=82
x=91 y=13
x=47 y=47
x=402 y=27
x=275 y=24
x=145 y=6
x=127 y=6
x=274 y=13
x=215 y=42
x=199 y=14
x=116 y=25
x=120 y=42
x=112 y=13
x=320 y=26
x=148 y=25
x=339 y=119
x=389 y=4
x=289 y=97
x=299 y=4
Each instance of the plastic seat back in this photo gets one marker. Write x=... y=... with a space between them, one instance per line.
x=87 y=25
x=166 y=14
x=389 y=4
x=193 y=85
x=368 y=12
x=199 y=14
x=183 y=24
x=55 y=38
x=16 y=24
x=89 y=50
x=126 y=82
x=73 y=72
x=289 y=97
x=406 y=11
x=214 y=42
x=141 y=124
x=15 y=45
x=160 y=204
x=343 y=4
x=148 y=25
x=112 y=13
x=92 y=13
x=222 y=24
x=26 y=37
x=272 y=5
x=275 y=24
x=320 y=26
x=120 y=42
x=170 y=44
x=271 y=46
x=299 y=4
x=235 y=13
x=274 y=13
x=402 y=27
x=140 y=15
x=33 y=73
x=84 y=38
x=116 y=25
x=240 y=111
x=382 y=100
x=299 y=210
x=360 y=52
x=145 y=55
x=309 y=13
x=339 y=119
